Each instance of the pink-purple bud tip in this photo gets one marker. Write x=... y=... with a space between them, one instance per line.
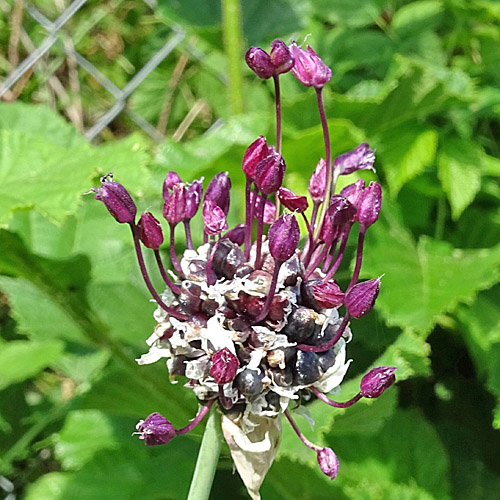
x=259 y=62
x=269 y=173
x=369 y=204
x=360 y=299
x=193 y=198
x=376 y=381
x=317 y=182
x=281 y=57
x=149 y=231
x=169 y=183
x=327 y=294
x=309 y=69
x=224 y=366
x=116 y=199
x=174 y=208
x=214 y=218
x=219 y=191
x=328 y=462
x=155 y=430
x=284 y=237
x=292 y=201
x=340 y=210
x=254 y=154
x=360 y=158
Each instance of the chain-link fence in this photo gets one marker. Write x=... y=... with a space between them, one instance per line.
x=58 y=47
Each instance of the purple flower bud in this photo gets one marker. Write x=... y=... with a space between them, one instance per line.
x=360 y=158
x=360 y=299
x=281 y=57
x=116 y=199
x=224 y=366
x=269 y=209
x=309 y=69
x=269 y=173
x=328 y=232
x=155 y=430
x=219 y=190
x=292 y=201
x=237 y=234
x=370 y=203
x=171 y=179
x=259 y=62
x=328 y=462
x=214 y=218
x=327 y=294
x=284 y=237
x=353 y=192
x=317 y=182
x=254 y=154
x=376 y=381
x=174 y=208
x=149 y=231
x=193 y=197
x=341 y=210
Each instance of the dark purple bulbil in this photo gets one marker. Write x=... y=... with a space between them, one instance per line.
x=259 y=62
x=292 y=201
x=155 y=430
x=376 y=381
x=116 y=199
x=224 y=366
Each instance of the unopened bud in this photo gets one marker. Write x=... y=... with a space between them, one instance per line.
x=219 y=191
x=193 y=197
x=328 y=462
x=149 y=231
x=360 y=299
x=317 y=182
x=259 y=62
x=224 y=366
x=353 y=192
x=116 y=199
x=269 y=208
x=174 y=208
x=376 y=381
x=214 y=218
x=284 y=237
x=309 y=69
x=341 y=210
x=237 y=234
x=269 y=173
x=370 y=203
x=292 y=201
x=254 y=154
x=169 y=183
x=360 y=158
x=281 y=57
x=327 y=294
x=155 y=430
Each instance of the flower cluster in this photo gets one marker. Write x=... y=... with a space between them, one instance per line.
x=255 y=323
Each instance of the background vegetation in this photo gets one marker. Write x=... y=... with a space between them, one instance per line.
x=420 y=81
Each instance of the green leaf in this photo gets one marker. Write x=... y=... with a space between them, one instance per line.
x=405 y=154
x=416 y=17
x=22 y=359
x=353 y=13
x=423 y=280
x=460 y=165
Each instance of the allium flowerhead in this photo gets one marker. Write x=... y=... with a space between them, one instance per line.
x=309 y=69
x=284 y=237
x=219 y=191
x=369 y=204
x=360 y=299
x=360 y=158
x=376 y=381
x=317 y=182
x=259 y=62
x=269 y=173
x=328 y=462
x=174 y=208
x=155 y=430
x=116 y=199
x=292 y=201
x=224 y=366
x=281 y=57
x=149 y=231
x=254 y=154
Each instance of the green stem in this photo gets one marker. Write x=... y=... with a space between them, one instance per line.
x=231 y=20
x=208 y=457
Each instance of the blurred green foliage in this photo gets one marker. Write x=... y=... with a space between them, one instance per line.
x=419 y=81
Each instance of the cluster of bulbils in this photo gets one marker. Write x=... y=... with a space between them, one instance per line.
x=253 y=322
